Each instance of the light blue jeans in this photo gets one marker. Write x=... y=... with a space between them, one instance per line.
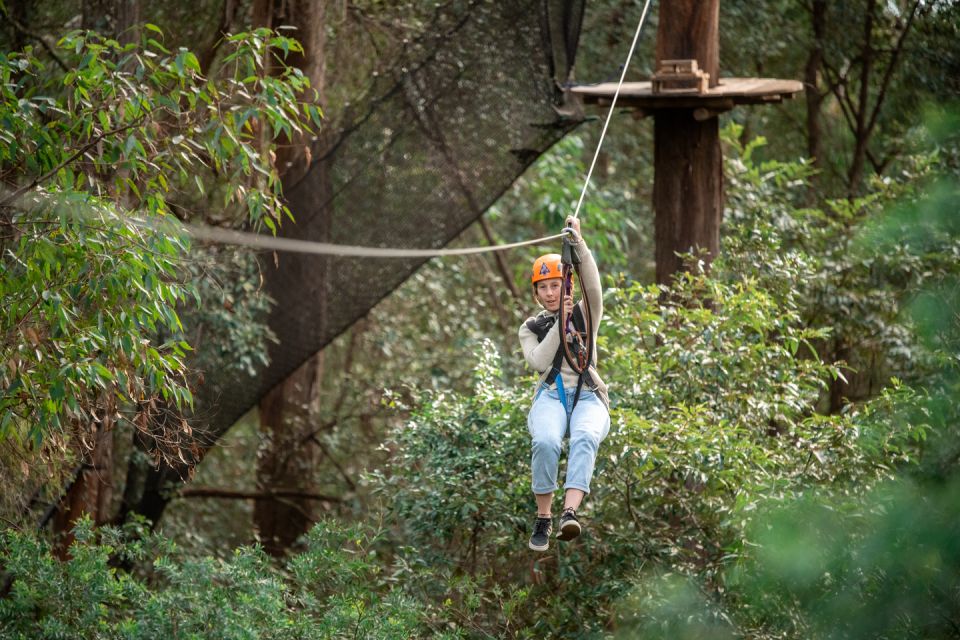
x=547 y=423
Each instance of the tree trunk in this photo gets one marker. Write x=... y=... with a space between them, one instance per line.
x=862 y=131
x=92 y=490
x=688 y=161
x=691 y=29
x=129 y=17
x=287 y=460
x=288 y=457
x=812 y=86
x=117 y=18
x=225 y=26
x=309 y=18
x=687 y=189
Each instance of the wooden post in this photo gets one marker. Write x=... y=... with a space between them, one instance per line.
x=688 y=162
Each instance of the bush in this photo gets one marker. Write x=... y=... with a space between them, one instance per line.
x=326 y=591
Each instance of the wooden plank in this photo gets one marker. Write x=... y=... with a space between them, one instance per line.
x=743 y=86
x=672 y=101
x=729 y=88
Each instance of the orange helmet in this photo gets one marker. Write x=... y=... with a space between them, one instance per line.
x=545 y=267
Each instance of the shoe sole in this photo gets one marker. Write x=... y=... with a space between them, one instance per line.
x=538 y=547
x=569 y=531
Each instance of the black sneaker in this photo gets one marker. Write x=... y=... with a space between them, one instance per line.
x=540 y=540
x=569 y=525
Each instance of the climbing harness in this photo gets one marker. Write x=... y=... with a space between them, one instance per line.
x=576 y=329
x=576 y=349
x=577 y=345
x=541 y=326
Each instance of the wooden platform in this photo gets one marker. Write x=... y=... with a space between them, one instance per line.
x=729 y=93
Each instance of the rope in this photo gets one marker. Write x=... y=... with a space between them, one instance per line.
x=613 y=104
x=273 y=243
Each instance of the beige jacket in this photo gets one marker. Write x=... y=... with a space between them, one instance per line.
x=539 y=355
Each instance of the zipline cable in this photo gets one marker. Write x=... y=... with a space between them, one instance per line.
x=613 y=104
x=274 y=243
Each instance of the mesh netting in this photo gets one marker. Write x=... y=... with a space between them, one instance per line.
x=460 y=116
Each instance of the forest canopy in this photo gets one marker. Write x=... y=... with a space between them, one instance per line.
x=783 y=454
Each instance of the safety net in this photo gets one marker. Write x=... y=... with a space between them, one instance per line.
x=458 y=117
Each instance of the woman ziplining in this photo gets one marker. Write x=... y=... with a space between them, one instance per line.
x=570 y=399
x=560 y=342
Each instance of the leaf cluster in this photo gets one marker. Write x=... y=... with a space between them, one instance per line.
x=99 y=158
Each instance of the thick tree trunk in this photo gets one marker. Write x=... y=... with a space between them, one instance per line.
x=688 y=162
x=225 y=26
x=691 y=29
x=687 y=189
x=287 y=460
x=309 y=18
x=18 y=22
x=129 y=16
x=96 y=15
x=118 y=18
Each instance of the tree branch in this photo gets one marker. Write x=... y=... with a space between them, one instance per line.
x=846 y=104
x=866 y=68
x=888 y=73
x=333 y=461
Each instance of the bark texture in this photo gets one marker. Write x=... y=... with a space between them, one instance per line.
x=687 y=190
x=811 y=84
x=91 y=491
x=286 y=461
x=691 y=29
x=688 y=180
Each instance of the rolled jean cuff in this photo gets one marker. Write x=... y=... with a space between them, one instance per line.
x=576 y=485
x=545 y=491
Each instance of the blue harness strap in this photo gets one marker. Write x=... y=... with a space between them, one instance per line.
x=563 y=398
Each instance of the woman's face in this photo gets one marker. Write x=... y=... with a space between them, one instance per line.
x=548 y=293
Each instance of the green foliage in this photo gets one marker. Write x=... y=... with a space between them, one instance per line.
x=80 y=297
x=155 y=123
x=457 y=479
x=846 y=285
x=96 y=156
x=847 y=564
x=881 y=568
x=713 y=410
x=324 y=592
x=230 y=323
